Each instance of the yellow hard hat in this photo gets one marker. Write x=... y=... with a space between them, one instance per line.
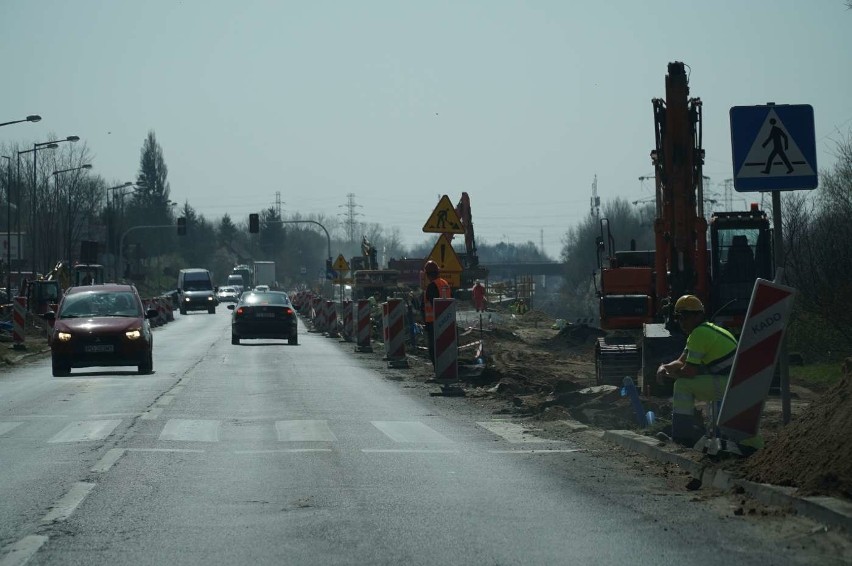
x=689 y=303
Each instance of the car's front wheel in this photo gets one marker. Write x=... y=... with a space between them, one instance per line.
x=147 y=365
x=60 y=369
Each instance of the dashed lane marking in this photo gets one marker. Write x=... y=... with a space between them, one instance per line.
x=112 y=456
x=21 y=552
x=413 y=431
x=152 y=414
x=192 y=430
x=85 y=431
x=6 y=427
x=69 y=502
x=304 y=431
x=165 y=400
x=513 y=432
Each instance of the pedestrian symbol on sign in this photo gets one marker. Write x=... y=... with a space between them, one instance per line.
x=774 y=147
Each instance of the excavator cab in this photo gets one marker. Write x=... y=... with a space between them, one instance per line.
x=43 y=295
x=88 y=274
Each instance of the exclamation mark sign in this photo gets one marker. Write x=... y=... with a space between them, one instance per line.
x=443 y=253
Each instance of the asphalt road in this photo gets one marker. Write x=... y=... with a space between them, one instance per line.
x=266 y=453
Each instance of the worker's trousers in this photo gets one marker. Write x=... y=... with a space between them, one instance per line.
x=707 y=388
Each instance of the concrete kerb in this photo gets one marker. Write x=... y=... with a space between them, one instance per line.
x=829 y=511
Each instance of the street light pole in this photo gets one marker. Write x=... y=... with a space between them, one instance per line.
x=111 y=224
x=70 y=219
x=35 y=191
x=8 y=229
x=32 y=118
x=18 y=201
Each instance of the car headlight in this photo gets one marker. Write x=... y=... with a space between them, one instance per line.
x=209 y=298
x=186 y=299
x=133 y=334
x=63 y=336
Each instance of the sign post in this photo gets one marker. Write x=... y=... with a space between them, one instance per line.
x=774 y=149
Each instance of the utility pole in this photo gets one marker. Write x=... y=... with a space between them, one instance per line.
x=278 y=203
x=349 y=216
x=729 y=195
x=596 y=200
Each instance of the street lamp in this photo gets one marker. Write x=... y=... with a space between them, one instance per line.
x=111 y=224
x=31 y=118
x=36 y=146
x=18 y=200
x=70 y=220
x=8 y=228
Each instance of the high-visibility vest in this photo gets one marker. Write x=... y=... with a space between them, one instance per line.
x=444 y=292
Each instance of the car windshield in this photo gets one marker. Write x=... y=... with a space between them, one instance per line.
x=223 y=290
x=102 y=303
x=197 y=285
x=270 y=298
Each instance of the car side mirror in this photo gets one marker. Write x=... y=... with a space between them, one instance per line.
x=231 y=307
x=152 y=313
x=49 y=315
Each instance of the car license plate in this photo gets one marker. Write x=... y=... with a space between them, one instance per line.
x=98 y=348
x=265 y=315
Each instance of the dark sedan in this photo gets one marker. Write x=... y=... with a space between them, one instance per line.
x=102 y=325
x=267 y=314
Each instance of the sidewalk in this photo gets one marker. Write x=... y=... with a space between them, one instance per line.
x=830 y=511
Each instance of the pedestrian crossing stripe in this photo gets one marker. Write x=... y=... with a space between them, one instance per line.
x=444 y=219
x=774 y=152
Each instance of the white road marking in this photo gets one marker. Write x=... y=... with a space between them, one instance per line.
x=513 y=432
x=107 y=415
x=284 y=451
x=21 y=552
x=402 y=431
x=152 y=414
x=69 y=502
x=85 y=431
x=406 y=451
x=193 y=430
x=165 y=400
x=6 y=427
x=106 y=462
x=304 y=431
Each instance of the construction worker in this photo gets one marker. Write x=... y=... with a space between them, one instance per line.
x=437 y=288
x=701 y=372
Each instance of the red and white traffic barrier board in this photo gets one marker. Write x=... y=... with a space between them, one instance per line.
x=319 y=314
x=446 y=339
x=757 y=354
x=362 y=326
x=347 y=321
x=331 y=319
x=393 y=318
x=19 y=318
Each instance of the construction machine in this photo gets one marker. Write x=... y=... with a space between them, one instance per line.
x=471 y=270
x=638 y=288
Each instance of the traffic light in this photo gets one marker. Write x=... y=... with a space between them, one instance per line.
x=254 y=223
x=181 y=226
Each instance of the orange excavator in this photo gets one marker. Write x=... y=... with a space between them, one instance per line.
x=638 y=288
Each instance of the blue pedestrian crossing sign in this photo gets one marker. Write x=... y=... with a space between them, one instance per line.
x=774 y=147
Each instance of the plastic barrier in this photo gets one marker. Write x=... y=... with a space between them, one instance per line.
x=347 y=321
x=446 y=340
x=317 y=306
x=362 y=326
x=393 y=324
x=19 y=318
x=331 y=320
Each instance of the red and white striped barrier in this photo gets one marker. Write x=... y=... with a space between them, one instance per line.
x=393 y=317
x=362 y=326
x=19 y=319
x=446 y=339
x=318 y=306
x=331 y=320
x=757 y=354
x=347 y=321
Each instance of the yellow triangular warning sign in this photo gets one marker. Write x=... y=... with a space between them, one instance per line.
x=445 y=256
x=444 y=219
x=340 y=264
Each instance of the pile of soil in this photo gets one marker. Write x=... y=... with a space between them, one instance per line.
x=814 y=452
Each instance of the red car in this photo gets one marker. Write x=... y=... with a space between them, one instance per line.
x=101 y=325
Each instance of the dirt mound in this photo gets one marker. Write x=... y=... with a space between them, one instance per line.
x=813 y=453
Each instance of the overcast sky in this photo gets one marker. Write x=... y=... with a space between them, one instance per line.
x=520 y=104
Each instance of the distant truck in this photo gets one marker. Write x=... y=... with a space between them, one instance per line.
x=264 y=273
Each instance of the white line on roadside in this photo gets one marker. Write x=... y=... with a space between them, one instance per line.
x=195 y=450
x=513 y=432
x=406 y=451
x=85 y=431
x=69 y=502
x=283 y=451
x=21 y=552
x=108 y=460
x=566 y=451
